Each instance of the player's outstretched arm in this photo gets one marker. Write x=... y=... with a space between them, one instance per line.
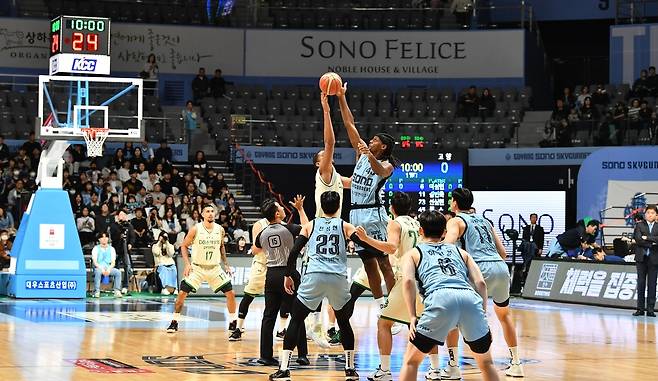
x=185 y=251
x=298 y=203
x=454 y=230
x=348 y=119
x=476 y=278
x=383 y=169
x=499 y=244
x=389 y=246
x=409 y=263
x=326 y=164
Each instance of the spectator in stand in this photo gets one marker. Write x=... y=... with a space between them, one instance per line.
x=588 y=112
x=4 y=151
x=468 y=104
x=652 y=81
x=620 y=118
x=133 y=184
x=241 y=247
x=143 y=238
x=200 y=163
x=189 y=120
x=169 y=203
x=147 y=151
x=86 y=227
x=171 y=226
x=94 y=205
x=463 y=11
x=640 y=86
x=154 y=223
x=104 y=219
x=645 y=114
x=31 y=144
x=5 y=249
x=151 y=68
x=157 y=195
x=584 y=93
x=200 y=85
x=560 y=112
x=238 y=226
x=103 y=258
x=77 y=205
x=192 y=219
x=634 y=120
x=600 y=96
x=7 y=222
x=487 y=104
x=137 y=158
x=218 y=84
x=163 y=255
x=568 y=98
x=167 y=183
x=123 y=173
x=119 y=158
x=163 y=154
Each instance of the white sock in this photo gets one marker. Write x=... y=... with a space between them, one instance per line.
x=349 y=360
x=240 y=323
x=285 y=359
x=283 y=323
x=434 y=360
x=514 y=351
x=385 y=362
x=380 y=302
x=176 y=316
x=452 y=356
x=233 y=316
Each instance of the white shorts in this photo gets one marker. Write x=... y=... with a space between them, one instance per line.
x=395 y=309
x=217 y=279
x=256 y=284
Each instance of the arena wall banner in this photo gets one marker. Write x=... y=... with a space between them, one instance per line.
x=605 y=284
x=394 y=54
x=613 y=163
x=241 y=267
x=292 y=155
x=632 y=48
x=512 y=209
x=178 y=49
x=501 y=157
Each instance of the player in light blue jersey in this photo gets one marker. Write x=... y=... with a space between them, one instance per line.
x=325 y=277
x=374 y=166
x=478 y=237
x=443 y=273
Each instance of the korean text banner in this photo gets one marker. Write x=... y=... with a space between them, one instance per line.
x=613 y=285
x=394 y=54
x=24 y=43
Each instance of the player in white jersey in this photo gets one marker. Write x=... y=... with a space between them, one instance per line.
x=402 y=235
x=326 y=179
x=208 y=253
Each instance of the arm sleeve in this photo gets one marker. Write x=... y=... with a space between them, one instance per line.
x=300 y=242
x=257 y=240
x=355 y=238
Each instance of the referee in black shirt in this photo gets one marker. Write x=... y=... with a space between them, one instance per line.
x=277 y=240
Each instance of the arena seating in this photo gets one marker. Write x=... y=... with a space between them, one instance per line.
x=292 y=115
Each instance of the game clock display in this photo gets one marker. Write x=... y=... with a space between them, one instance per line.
x=428 y=175
x=80 y=35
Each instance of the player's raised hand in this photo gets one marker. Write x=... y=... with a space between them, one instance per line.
x=342 y=91
x=361 y=233
x=363 y=149
x=324 y=99
x=298 y=202
x=289 y=285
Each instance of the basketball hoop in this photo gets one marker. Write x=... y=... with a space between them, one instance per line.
x=95 y=137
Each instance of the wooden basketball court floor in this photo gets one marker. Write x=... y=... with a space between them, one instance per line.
x=87 y=340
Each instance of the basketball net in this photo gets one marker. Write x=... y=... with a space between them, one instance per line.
x=95 y=137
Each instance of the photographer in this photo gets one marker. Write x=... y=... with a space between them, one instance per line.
x=123 y=238
x=163 y=255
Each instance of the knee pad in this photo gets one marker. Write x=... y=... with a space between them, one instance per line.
x=480 y=345
x=424 y=343
x=186 y=287
x=502 y=304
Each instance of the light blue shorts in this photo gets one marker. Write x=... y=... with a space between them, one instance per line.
x=317 y=286
x=373 y=220
x=496 y=275
x=448 y=308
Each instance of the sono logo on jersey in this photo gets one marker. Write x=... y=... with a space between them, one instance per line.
x=84 y=64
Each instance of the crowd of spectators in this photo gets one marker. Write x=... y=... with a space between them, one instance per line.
x=598 y=118
x=156 y=196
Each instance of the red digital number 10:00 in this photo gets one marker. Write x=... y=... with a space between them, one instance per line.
x=79 y=42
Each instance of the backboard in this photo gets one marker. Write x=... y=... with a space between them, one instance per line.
x=67 y=104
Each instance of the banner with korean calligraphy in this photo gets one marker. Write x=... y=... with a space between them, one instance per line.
x=597 y=283
x=178 y=49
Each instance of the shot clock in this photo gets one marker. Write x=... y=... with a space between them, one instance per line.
x=428 y=175
x=80 y=45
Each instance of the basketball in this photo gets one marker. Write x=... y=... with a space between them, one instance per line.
x=330 y=83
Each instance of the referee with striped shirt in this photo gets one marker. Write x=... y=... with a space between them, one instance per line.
x=277 y=240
